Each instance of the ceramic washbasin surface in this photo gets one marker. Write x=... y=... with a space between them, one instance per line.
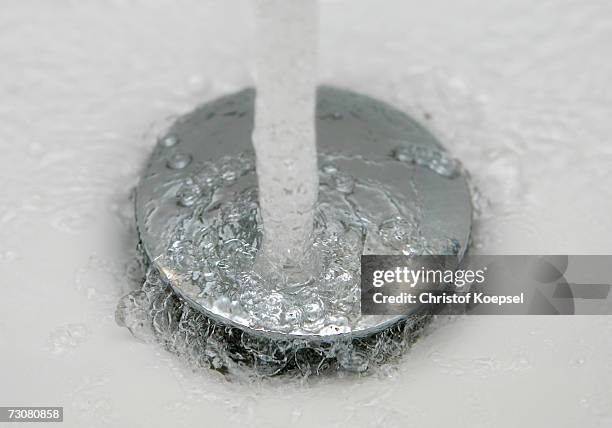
x=518 y=90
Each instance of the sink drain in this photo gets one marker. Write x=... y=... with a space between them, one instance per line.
x=386 y=187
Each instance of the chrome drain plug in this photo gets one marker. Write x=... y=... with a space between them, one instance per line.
x=387 y=186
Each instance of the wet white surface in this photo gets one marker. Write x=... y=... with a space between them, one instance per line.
x=519 y=90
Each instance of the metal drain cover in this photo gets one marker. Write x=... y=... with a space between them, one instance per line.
x=370 y=140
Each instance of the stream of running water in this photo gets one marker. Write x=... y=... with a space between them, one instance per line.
x=284 y=136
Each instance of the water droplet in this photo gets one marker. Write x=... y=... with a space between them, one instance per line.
x=398 y=232
x=431 y=158
x=352 y=360
x=168 y=141
x=188 y=193
x=132 y=313
x=313 y=310
x=293 y=316
x=329 y=168
x=67 y=337
x=179 y=161
x=344 y=183
x=440 y=246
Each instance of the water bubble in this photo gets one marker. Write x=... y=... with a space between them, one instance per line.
x=398 y=232
x=344 y=183
x=230 y=170
x=179 y=160
x=431 y=158
x=188 y=193
x=313 y=310
x=333 y=329
x=439 y=246
x=329 y=168
x=293 y=316
x=352 y=360
x=132 y=312
x=334 y=116
x=222 y=304
x=168 y=141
